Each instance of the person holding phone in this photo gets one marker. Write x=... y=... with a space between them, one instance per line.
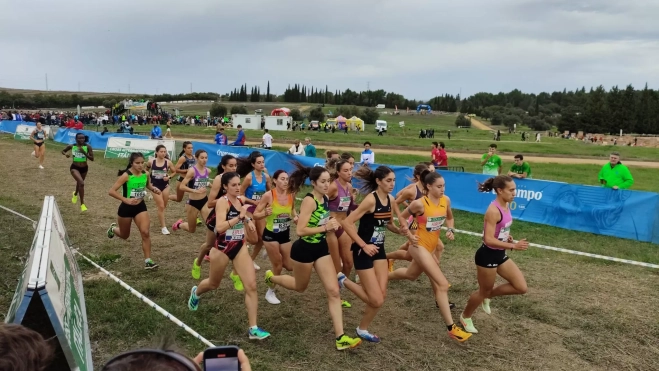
x=491 y=162
x=227 y=358
x=311 y=250
x=231 y=226
x=491 y=258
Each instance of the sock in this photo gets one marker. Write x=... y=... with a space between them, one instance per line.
x=340 y=336
x=450 y=327
x=253 y=328
x=361 y=332
x=147 y=260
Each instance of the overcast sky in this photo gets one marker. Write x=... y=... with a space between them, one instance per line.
x=417 y=48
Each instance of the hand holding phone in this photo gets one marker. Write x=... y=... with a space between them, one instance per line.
x=227 y=358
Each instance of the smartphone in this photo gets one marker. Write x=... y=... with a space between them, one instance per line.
x=221 y=359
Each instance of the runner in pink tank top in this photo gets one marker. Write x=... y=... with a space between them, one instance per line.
x=491 y=258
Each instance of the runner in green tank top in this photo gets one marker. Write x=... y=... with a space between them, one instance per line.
x=277 y=207
x=133 y=182
x=81 y=152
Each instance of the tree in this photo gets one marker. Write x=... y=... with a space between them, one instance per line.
x=497 y=119
x=218 y=110
x=316 y=114
x=510 y=121
x=463 y=121
x=268 y=98
x=370 y=115
x=238 y=110
x=296 y=115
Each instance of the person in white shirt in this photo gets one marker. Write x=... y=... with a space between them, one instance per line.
x=297 y=149
x=368 y=156
x=267 y=140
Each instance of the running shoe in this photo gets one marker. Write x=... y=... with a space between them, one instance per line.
x=33 y=154
x=268 y=278
x=365 y=335
x=256 y=267
x=193 y=302
x=111 y=230
x=346 y=342
x=258 y=334
x=149 y=264
x=271 y=297
x=237 y=282
x=342 y=278
x=390 y=262
x=40 y=167
x=468 y=324
x=345 y=304
x=199 y=222
x=177 y=224
x=486 y=306
x=83 y=207
x=458 y=334
x=196 y=270
x=74 y=199
x=164 y=231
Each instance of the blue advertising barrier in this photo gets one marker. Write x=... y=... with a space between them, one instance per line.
x=10 y=126
x=96 y=140
x=624 y=214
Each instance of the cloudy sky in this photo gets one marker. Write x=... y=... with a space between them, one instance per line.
x=417 y=48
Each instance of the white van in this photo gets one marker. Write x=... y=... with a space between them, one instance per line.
x=380 y=124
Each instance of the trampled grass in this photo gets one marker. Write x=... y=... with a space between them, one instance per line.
x=578 y=313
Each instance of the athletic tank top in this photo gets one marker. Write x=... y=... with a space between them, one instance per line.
x=319 y=217
x=79 y=156
x=280 y=219
x=429 y=224
x=502 y=229
x=135 y=186
x=200 y=180
x=235 y=234
x=158 y=172
x=256 y=190
x=189 y=162
x=39 y=135
x=419 y=194
x=341 y=203
x=372 y=226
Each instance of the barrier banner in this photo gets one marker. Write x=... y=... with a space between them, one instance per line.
x=23 y=131
x=10 y=126
x=49 y=298
x=97 y=140
x=122 y=147
x=618 y=213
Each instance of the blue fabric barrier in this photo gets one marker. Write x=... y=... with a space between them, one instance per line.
x=10 y=126
x=624 y=214
x=96 y=140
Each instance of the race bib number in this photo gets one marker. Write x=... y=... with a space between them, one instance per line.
x=344 y=203
x=138 y=193
x=281 y=224
x=256 y=196
x=201 y=183
x=235 y=233
x=503 y=234
x=39 y=135
x=434 y=224
x=378 y=236
x=323 y=219
x=158 y=174
x=78 y=154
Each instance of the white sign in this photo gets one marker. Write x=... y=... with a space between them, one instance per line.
x=401 y=124
x=119 y=147
x=23 y=132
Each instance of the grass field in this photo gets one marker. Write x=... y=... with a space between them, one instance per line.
x=579 y=313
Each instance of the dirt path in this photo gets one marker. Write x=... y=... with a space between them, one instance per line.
x=479 y=125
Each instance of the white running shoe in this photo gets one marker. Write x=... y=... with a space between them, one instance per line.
x=33 y=154
x=256 y=266
x=40 y=167
x=271 y=297
x=165 y=231
x=264 y=254
x=486 y=306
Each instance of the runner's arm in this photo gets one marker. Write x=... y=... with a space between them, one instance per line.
x=90 y=153
x=67 y=149
x=222 y=224
x=184 y=183
x=114 y=190
x=307 y=207
x=243 y=188
x=348 y=224
x=492 y=217
x=215 y=191
x=265 y=201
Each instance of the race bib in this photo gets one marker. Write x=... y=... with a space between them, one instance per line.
x=256 y=196
x=201 y=183
x=281 y=223
x=503 y=234
x=78 y=154
x=323 y=219
x=344 y=203
x=138 y=193
x=235 y=233
x=158 y=174
x=39 y=135
x=434 y=224
x=378 y=236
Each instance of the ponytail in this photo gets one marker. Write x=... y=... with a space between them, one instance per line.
x=246 y=164
x=427 y=178
x=368 y=178
x=297 y=178
x=497 y=182
x=223 y=162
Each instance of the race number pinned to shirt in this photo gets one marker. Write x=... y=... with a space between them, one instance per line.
x=159 y=174
x=378 y=235
x=281 y=223
x=235 y=233
x=344 y=203
x=256 y=196
x=138 y=193
x=433 y=224
x=200 y=183
x=504 y=233
x=324 y=219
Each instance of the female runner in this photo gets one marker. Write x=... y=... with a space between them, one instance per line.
x=159 y=170
x=255 y=184
x=196 y=183
x=133 y=182
x=491 y=258
x=185 y=161
x=375 y=215
x=82 y=152
x=231 y=226
x=38 y=136
x=348 y=157
x=277 y=206
x=430 y=212
x=310 y=251
x=340 y=203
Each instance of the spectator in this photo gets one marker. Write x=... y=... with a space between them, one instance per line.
x=221 y=138
x=368 y=156
x=443 y=157
x=520 y=168
x=240 y=139
x=309 y=149
x=22 y=349
x=614 y=174
x=267 y=140
x=156 y=132
x=297 y=149
x=491 y=162
x=449 y=135
x=434 y=153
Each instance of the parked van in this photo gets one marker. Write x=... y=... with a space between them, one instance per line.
x=380 y=124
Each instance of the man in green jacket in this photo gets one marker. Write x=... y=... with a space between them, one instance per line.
x=614 y=174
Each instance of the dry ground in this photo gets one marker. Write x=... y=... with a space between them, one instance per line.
x=578 y=313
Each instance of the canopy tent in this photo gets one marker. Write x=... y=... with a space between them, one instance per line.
x=331 y=122
x=355 y=123
x=341 y=122
x=280 y=112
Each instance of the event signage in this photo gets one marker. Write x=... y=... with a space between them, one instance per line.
x=23 y=132
x=49 y=297
x=123 y=147
x=98 y=140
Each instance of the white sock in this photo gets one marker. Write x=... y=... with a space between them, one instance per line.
x=361 y=332
x=254 y=327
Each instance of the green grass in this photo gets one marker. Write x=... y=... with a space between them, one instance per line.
x=577 y=312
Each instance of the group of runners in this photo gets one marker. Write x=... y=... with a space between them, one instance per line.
x=243 y=204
